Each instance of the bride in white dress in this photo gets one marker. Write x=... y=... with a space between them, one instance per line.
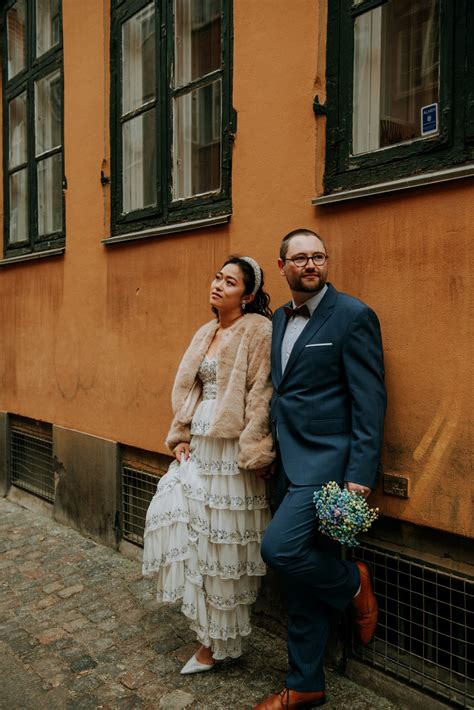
x=205 y=523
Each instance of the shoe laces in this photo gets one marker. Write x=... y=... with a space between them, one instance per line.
x=284 y=698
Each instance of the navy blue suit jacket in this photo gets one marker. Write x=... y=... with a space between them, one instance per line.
x=328 y=406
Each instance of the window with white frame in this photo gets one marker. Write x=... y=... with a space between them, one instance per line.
x=33 y=118
x=171 y=115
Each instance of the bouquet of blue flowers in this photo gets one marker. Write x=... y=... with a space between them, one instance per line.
x=343 y=514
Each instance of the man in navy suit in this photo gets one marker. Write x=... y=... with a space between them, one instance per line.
x=327 y=417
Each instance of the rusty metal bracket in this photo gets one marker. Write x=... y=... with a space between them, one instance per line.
x=319 y=109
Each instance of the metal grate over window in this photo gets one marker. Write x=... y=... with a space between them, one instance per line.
x=138 y=488
x=32 y=463
x=425 y=634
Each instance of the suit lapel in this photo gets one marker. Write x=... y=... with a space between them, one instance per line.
x=319 y=317
x=279 y=323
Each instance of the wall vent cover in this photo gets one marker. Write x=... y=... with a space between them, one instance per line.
x=425 y=634
x=138 y=488
x=31 y=457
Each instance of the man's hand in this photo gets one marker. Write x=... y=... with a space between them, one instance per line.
x=358 y=489
x=180 y=449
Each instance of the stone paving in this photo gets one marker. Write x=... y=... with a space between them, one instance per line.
x=80 y=630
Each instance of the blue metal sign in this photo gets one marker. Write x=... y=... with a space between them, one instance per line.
x=429 y=119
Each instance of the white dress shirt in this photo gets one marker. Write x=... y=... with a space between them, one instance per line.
x=296 y=325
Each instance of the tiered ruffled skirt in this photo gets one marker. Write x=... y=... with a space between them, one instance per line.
x=202 y=538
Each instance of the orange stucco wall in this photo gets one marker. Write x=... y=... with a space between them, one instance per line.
x=91 y=341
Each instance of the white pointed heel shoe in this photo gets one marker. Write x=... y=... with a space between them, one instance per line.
x=195 y=666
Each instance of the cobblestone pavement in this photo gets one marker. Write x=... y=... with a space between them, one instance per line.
x=79 y=629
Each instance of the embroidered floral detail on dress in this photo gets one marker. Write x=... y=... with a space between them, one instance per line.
x=224 y=603
x=208 y=375
x=163 y=595
x=200 y=427
x=173 y=554
x=226 y=570
x=195 y=493
x=194 y=577
x=215 y=466
x=219 y=535
x=225 y=501
x=230 y=647
x=237 y=502
x=213 y=630
x=168 y=517
x=167 y=482
x=234 y=536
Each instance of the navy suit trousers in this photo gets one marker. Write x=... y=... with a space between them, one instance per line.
x=313 y=578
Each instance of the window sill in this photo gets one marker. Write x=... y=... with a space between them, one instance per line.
x=34 y=256
x=167 y=229
x=394 y=185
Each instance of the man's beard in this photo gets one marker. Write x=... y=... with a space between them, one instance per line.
x=298 y=286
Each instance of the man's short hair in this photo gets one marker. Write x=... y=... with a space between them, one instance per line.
x=288 y=237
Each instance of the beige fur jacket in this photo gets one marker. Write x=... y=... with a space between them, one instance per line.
x=243 y=389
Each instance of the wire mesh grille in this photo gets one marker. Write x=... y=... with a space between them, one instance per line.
x=425 y=634
x=138 y=488
x=32 y=463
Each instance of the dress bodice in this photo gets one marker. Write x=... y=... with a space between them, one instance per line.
x=207 y=373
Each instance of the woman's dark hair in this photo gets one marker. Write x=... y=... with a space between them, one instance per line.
x=261 y=302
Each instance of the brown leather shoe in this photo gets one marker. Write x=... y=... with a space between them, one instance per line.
x=366 y=607
x=288 y=699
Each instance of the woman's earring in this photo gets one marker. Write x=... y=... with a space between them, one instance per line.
x=243 y=306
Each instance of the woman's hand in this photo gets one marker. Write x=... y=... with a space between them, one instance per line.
x=265 y=472
x=180 y=449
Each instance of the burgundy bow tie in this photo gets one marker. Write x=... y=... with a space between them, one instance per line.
x=300 y=311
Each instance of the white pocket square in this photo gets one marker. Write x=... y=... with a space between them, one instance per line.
x=317 y=345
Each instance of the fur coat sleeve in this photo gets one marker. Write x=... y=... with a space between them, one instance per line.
x=186 y=392
x=255 y=441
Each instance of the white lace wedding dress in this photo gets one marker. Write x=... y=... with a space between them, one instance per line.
x=203 y=532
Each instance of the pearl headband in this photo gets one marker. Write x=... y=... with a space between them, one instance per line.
x=257 y=272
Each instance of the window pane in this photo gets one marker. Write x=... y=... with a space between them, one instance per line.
x=138 y=59
x=17 y=130
x=16 y=38
x=18 y=206
x=197 y=141
x=139 y=162
x=50 y=216
x=48 y=112
x=396 y=72
x=47 y=25
x=198 y=38
x=367 y=75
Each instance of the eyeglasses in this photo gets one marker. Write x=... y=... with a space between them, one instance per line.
x=301 y=261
